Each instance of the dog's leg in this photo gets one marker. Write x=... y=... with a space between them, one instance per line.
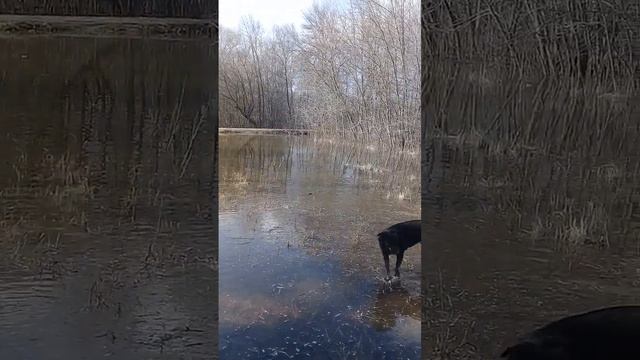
x=386 y=264
x=399 y=262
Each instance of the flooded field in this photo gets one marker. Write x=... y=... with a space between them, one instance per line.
x=106 y=191
x=524 y=231
x=300 y=267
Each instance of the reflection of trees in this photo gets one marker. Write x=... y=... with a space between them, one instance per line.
x=392 y=303
x=259 y=158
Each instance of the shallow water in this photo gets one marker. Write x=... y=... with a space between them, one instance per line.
x=107 y=228
x=300 y=267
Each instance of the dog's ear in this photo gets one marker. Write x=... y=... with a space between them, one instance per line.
x=505 y=353
x=529 y=350
x=509 y=352
x=521 y=351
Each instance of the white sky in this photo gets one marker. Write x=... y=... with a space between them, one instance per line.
x=267 y=12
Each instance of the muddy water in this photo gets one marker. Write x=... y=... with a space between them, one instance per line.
x=300 y=267
x=492 y=275
x=106 y=186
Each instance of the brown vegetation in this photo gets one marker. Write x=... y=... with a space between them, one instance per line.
x=125 y=130
x=549 y=93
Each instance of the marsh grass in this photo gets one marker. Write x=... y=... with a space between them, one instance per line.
x=67 y=181
x=55 y=183
x=552 y=104
x=31 y=248
x=570 y=200
x=192 y=135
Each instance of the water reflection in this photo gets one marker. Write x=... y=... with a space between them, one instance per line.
x=394 y=304
x=106 y=185
x=299 y=262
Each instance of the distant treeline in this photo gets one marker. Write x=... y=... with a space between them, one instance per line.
x=352 y=71
x=199 y=9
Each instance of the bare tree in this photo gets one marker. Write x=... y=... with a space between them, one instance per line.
x=236 y=81
x=352 y=71
x=286 y=44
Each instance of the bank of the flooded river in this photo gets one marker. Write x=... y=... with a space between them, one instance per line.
x=103 y=26
x=261 y=131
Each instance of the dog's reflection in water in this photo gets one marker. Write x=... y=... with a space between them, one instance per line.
x=393 y=301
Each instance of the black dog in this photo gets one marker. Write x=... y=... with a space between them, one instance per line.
x=396 y=239
x=611 y=333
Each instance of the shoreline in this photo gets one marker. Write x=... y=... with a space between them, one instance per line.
x=101 y=26
x=254 y=131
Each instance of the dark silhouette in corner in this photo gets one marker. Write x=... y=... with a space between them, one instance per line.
x=610 y=333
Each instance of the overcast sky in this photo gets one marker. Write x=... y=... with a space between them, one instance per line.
x=267 y=12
